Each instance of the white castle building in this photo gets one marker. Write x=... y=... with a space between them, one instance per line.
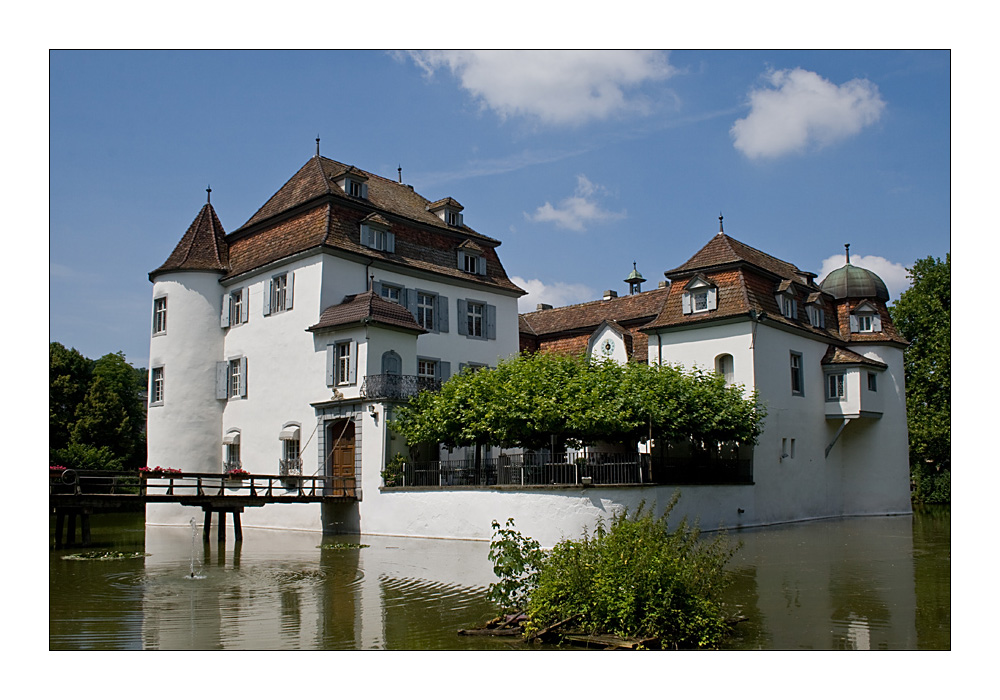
x=285 y=346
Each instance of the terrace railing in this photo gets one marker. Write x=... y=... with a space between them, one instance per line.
x=590 y=468
x=396 y=386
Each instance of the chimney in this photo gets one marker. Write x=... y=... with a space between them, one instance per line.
x=664 y=284
x=610 y=294
x=543 y=307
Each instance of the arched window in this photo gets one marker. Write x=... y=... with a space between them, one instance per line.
x=231 y=442
x=724 y=366
x=392 y=363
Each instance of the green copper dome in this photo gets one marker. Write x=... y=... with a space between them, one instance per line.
x=850 y=282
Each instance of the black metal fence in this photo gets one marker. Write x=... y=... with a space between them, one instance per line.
x=590 y=468
x=396 y=386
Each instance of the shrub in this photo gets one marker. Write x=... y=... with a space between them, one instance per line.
x=516 y=562
x=637 y=579
x=392 y=473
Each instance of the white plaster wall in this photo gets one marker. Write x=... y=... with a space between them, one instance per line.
x=699 y=346
x=183 y=433
x=618 y=353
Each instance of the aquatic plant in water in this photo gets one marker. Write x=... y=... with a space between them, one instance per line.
x=106 y=556
x=341 y=545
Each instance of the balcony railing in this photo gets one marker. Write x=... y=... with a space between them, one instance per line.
x=290 y=467
x=396 y=386
x=592 y=468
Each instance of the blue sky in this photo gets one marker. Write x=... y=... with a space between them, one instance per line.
x=581 y=163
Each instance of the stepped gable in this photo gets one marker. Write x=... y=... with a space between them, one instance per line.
x=202 y=248
x=367 y=308
x=567 y=329
x=842 y=356
x=312 y=211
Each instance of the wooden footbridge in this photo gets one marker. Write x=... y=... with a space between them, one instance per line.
x=80 y=493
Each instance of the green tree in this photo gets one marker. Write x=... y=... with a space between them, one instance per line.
x=69 y=377
x=96 y=415
x=530 y=400
x=923 y=316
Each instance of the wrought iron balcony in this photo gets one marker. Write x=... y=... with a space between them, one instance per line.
x=396 y=386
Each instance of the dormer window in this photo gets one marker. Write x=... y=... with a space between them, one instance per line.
x=471 y=258
x=448 y=210
x=353 y=182
x=375 y=234
x=699 y=295
x=866 y=319
x=817 y=317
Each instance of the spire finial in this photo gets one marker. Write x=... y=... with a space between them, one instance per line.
x=317 y=145
x=400 y=169
x=847 y=248
x=209 y=190
x=720 y=222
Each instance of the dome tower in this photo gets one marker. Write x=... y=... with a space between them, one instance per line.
x=184 y=424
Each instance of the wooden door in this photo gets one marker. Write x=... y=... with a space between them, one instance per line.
x=340 y=457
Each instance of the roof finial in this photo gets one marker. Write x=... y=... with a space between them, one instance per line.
x=371 y=285
x=720 y=222
x=209 y=190
x=317 y=145
x=400 y=169
x=847 y=247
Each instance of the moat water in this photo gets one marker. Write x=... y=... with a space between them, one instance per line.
x=850 y=584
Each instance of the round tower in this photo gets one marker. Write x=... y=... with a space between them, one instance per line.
x=184 y=423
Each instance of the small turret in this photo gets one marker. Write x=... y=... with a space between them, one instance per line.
x=634 y=280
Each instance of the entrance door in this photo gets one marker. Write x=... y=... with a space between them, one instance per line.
x=340 y=457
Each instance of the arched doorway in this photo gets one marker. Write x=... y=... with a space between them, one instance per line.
x=340 y=457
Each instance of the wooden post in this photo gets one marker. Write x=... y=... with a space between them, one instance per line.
x=222 y=526
x=237 y=527
x=208 y=524
x=71 y=534
x=85 y=528
x=60 y=524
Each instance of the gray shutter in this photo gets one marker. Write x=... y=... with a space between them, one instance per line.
x=352 y=374
x=712 y=298
x=408 y=298
x=222 y=380
x=686 y=302
x=461 y=367
x=243 y=377
x=481 y=265
x=441 y=314
x=462 y=322
x=491 y=322
x=289 y=286
x=267 y=297
x=461 y=260
x=331 y=359
x=364 y=190
x=225 y=311
x=245 y=307
x=443 y=370
x=854 y=323
x=390 y=242
x=877 y=323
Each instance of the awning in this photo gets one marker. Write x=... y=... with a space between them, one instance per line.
x=289 y=433
x=231 y=439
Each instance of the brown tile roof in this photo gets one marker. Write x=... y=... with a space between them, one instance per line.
x=310 y=211
x=567 y=330
x=887 y=334
x=747 y=280
x=367 y=308
x=203 y=246
x=724 y=250
x=589 y=315
x=842 y=356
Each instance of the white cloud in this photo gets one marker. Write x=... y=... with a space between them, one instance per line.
x=557 y=294
x=557 y=87
x=577 y=211
x=804 y=110
x=893 y=274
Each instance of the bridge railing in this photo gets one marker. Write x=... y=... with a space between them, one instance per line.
x=175 y=483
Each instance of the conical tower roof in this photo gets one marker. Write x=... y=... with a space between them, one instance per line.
x=203 y=248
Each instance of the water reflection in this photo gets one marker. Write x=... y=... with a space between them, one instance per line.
x=857 y=583
x=866 y=583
